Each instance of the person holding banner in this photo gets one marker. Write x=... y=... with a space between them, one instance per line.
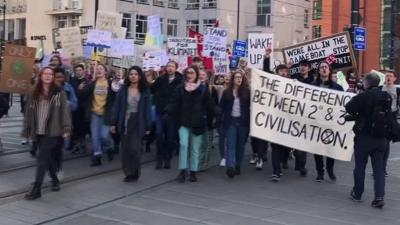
x=192 y=102
x=324 y=79
x=235 y=105
x=99 y=112
x=47 y=121
x=132 y=119
x=166 y=127
x=305 y=76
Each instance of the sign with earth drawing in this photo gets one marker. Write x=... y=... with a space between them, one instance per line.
x=17 y=69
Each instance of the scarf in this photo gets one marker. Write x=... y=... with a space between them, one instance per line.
x=189 y=86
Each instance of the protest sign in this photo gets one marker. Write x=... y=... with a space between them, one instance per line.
x=161 y=54
x=207 y=61
x=315 y=51
x=257 y=43
x=300 y=116
x=17 y=69
x=239 y=48
x=214 y=44
x=154 y=25
x=121 y=47
x=151 y=63
x=57 y=37
x=99 y=38
x=71 y=42
x=125 y=62
x=109 y=21
x=341 y=80
x=221 y=66
x=182 y=46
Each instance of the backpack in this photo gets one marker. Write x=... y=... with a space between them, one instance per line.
x=381 y=120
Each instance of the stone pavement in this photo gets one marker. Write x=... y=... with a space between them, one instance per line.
x=249 y=199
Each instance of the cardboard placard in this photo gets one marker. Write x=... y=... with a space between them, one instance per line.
x=182 y=46
x=109 y=21
x=99 y=38
x=121 y=47
x=214 y=44
x=17 y=69
x=315 y=51
x=71 y=42
x=257 y=43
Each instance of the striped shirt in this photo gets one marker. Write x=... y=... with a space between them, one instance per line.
x=42 y=114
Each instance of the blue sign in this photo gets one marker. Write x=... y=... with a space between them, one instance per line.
x=360 y=38
x=239 y=48
x=234 y=62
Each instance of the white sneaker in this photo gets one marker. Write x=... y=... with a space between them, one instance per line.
x=253 y=159
x=259 y=164
x=24 y=142
x=223 y=162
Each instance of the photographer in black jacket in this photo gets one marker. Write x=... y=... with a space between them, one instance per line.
x=370 y=138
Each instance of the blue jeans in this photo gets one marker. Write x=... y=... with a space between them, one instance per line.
x=166 y=136
x=366 y=146
x=221 y=141
x=236 y=138
x=101 y=138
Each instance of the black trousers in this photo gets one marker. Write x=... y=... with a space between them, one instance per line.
x=49 y=157
x=260 y=147
x=300 y=159
x=319 y=164
x=131 y=152
x=279 y=154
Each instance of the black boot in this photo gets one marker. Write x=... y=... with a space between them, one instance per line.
x=159 y=163
x=237 y=170
x=192 y=176
x=181 y=177
x=230 y=172
x=331 y=175
x=148 y=146
x=96 y=160
x=55 y=185
x=167 y=164
x=35 y=192
x=110 y=154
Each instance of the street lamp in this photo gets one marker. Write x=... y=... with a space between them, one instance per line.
x=3 y=43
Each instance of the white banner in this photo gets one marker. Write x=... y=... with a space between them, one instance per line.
x=300 y=116
x=121 y=47
x=71 y=42
x=151 y=63
x=214 y=43
x=99 y=38
x=109 y=21
x=221 y=66
x=154 y=25
x=257 y=43
x=182 y=46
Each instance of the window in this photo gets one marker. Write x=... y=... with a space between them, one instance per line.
x=210 y=4
x=316 y=31
x=127 y=22
x=22 y=28
x=264 y=13
x=306 y=18
x=57 y=4
x=173 y=4
x=162 y=25
x=193 y=4
x=141 y=27
x=317 y=10
x=386 y=20
x=192 y=24
x=208 y=23
x=143 y=2
x=158 y=3
x=75 y=20
x=75 y=4
x=61 y=21
x=172 y=27
x=10 y=29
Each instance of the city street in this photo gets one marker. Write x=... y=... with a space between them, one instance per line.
x=98 y=196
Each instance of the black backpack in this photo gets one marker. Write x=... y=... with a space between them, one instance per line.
x=381 y=120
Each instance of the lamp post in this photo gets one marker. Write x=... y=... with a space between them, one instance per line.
x=238 y=19
x=3 y=43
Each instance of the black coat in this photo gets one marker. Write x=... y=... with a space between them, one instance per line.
x=331 y=84
x=4 y=106
x=192 y=108
x=226 y=105
x=163 y=91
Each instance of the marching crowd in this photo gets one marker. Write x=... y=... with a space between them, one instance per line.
x=125 y=111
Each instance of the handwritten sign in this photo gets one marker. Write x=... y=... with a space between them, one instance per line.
x=300 y=116
x=71 y=42
x=121 y=47
x=182 y=46
x=151 y=63
x=57 y=36
x=17 y=69
x=337 y=46
x=257 y=43
x=109 y=21
x=99 y=38
x=125 y=62
x=214 y=44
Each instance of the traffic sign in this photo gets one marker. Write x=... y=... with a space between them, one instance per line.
x=360 y=38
